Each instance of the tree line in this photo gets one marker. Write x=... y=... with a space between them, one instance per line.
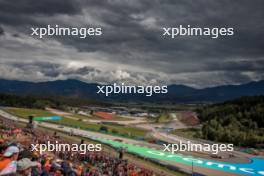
x=240 y=121
x=39 y=102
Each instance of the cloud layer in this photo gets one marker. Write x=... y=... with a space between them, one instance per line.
x=131 y=48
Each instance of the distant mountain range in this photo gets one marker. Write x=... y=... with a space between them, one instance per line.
x=176 y=93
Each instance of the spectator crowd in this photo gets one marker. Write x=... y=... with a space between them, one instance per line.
x=17 y=157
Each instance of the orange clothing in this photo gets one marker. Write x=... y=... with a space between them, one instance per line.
x=47 y=165
x=133 y=173
x=4 y=162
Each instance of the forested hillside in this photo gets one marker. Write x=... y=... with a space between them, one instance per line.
x=240 y=121
x=40 y=102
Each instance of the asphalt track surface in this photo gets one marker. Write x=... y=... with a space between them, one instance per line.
x=254 y=168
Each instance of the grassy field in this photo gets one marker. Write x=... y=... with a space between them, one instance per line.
x=164 y=117
x=125 y=131
x=188 y=132
x=115 y=129
x=24 y=112
x=93 y=117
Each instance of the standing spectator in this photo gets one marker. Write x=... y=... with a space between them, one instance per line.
x=24 y=167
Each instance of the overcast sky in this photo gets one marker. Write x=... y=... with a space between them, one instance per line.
x=132 y=48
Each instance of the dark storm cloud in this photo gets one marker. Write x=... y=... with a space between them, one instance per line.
x=240 y=65
x=2 y=32
x=46 y=68
x=132 y=40
x=247 y=42
x=46 y=7
x=85 y=70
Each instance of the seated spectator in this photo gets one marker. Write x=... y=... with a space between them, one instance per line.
x=57 y=163
x=8 y=163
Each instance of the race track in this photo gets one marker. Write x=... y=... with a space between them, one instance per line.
x=254 y=168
